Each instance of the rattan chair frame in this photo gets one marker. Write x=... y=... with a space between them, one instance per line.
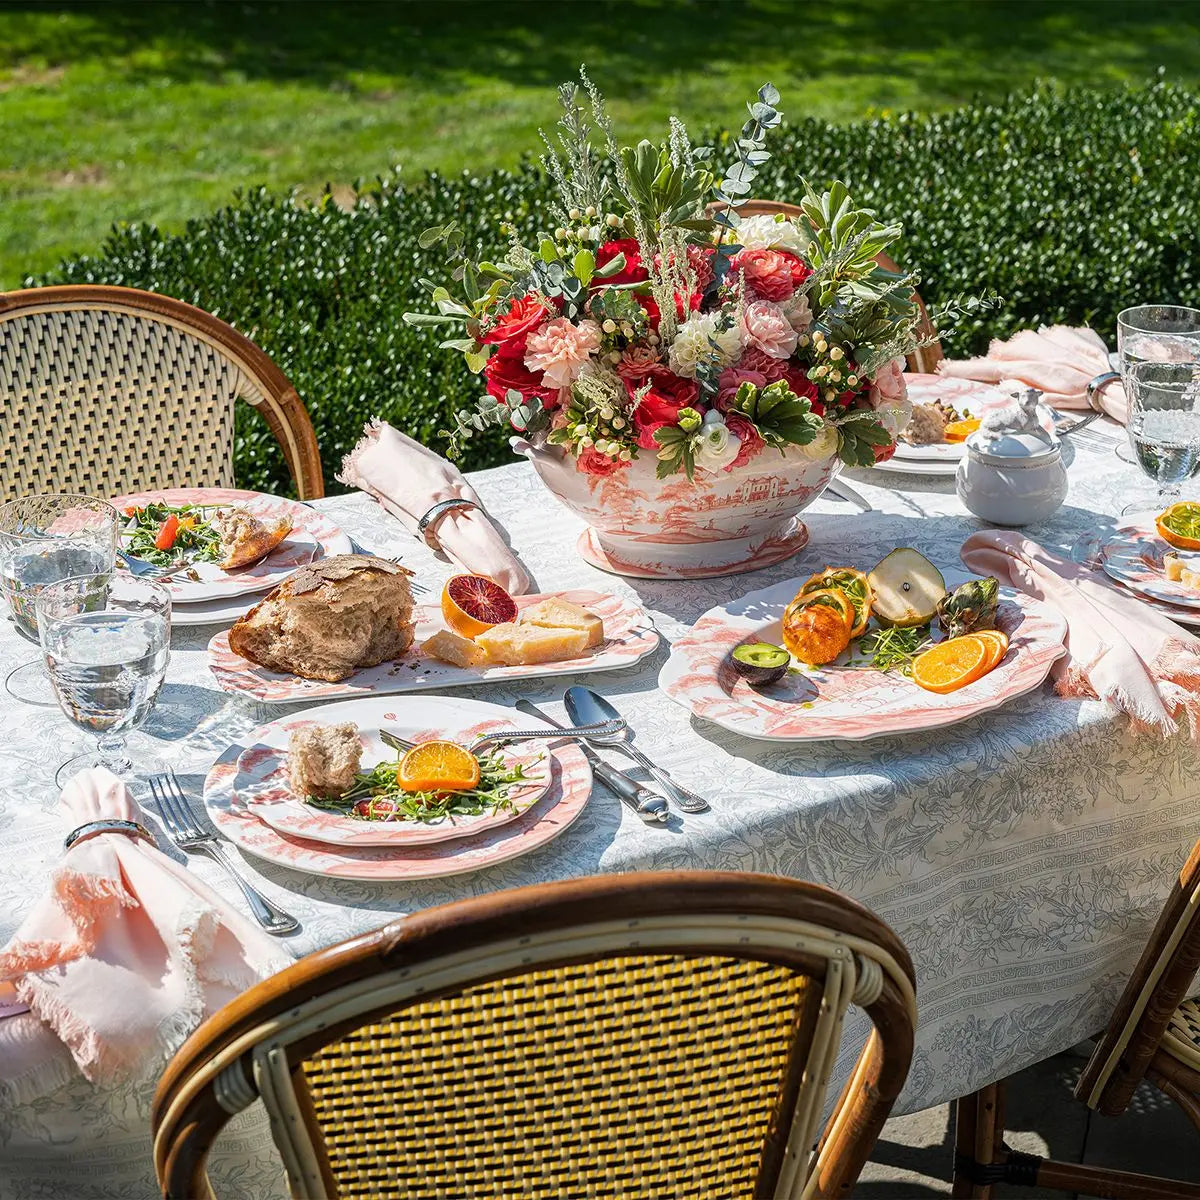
x=262 y=383
x=1153 y=1034
x=925 y=358
x=258 y=1045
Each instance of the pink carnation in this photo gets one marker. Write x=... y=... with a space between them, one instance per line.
x=765 y=326
x=744 y=429
x=731 y=379
x=561 y=349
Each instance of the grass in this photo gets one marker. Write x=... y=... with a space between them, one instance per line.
x=158 y=112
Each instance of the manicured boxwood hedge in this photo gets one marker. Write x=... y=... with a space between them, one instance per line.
x=1068 y=204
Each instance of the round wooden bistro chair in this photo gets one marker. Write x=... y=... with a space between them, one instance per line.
x=1154 y=1035
x=107 y=390
x=657 y=1034
x=925 y=358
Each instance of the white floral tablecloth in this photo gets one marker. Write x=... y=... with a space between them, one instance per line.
x=1022 y=856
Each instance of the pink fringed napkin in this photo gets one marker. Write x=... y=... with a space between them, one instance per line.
x=1120 y=650
x=1059 y=361
x=125 y=954
x=408 y=479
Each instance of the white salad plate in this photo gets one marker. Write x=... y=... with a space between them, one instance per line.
x=262 y=783
x=313 y=536
x=849 y=700
x=564 y=800
x=628 y=637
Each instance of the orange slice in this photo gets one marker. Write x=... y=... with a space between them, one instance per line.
x=951 y=664
x=438 y=767
x=998 y=641
x=1179 y=525
x=959 y=431
x=473 y=603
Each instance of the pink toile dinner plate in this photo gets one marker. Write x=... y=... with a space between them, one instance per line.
x=849 y=700
x=313 y=536
x=568 y=791
x=1133 y=555
x=628 y=637
x=261 y=783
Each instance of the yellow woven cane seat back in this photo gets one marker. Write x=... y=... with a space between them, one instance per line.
x=106 y=401
x=655 y=1075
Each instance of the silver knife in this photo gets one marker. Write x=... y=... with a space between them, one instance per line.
x=843 y=491
x=648 y=805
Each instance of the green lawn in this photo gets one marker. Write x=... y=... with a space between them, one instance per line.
x=157 y=112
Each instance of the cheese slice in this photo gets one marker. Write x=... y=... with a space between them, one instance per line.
x=458 y=651
x=556 y=613
x=522 y=645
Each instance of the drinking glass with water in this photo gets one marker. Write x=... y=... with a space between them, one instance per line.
x=44 y=539
x=1157 y=333
x=1164 y=423
x=106 y=638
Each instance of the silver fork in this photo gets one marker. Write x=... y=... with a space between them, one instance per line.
x=139 y=567
x=186 y=833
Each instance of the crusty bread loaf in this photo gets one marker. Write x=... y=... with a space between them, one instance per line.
x=322 y=760
x=246 y=538
x=330 y=617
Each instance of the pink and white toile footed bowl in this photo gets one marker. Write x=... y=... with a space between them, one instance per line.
x=719 y=524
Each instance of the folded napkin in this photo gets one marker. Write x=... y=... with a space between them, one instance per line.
x=1119 y=649
x=121 y=959
x=1060 y=362
x=408 y=479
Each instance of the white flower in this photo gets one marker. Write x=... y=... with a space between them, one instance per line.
x=823 y=446
x=694 y=344
x=766 y=233
x=715 y=447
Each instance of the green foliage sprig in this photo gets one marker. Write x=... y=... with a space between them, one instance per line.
x=782 y=418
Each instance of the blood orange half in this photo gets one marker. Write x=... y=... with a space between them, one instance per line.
x=473 y=603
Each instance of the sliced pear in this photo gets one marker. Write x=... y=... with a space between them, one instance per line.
x=907 y=588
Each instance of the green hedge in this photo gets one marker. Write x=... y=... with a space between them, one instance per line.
x=1069 y=204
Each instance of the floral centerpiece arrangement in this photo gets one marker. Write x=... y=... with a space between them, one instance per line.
x=650 y=321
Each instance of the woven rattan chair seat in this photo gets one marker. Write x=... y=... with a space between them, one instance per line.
x=1182 y=1037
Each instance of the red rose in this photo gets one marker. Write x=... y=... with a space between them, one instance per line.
x=766 y=272
x=505 y=374
x=510 y=331
x=654 y=315
x=646 y=433
x=799 y=268
x=744 y=430
x=592 y=462
x=632 y=272
x=661 y=404
x=796 y=377
x=883 y=453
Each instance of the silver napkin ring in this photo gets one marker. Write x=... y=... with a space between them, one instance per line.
x=425 y=525
x=1097 y=385
x=92 y=829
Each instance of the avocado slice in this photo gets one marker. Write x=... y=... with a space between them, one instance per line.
x=907 y=588
x=760 y=663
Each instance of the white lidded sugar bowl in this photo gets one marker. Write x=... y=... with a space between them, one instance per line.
x=1012 y=472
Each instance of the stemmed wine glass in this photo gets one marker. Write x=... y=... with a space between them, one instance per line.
x=44 y=539
x=1164 y=423
x=107 y=641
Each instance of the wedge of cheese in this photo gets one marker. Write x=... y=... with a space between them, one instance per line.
x=448 y=647
x=556 y=613
x=518 y=645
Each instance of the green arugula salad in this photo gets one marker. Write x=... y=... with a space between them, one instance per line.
x=165 y=534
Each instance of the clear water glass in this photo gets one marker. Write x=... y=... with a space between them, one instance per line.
x=1164 y=423
x=106 y=638
x=44 y=539
x=1158 y=333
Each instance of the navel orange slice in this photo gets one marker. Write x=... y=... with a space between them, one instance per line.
x=951 y=664
x=1179 y=525
x=998 y=642
x=438 y=767
x=959 y=431
x=473 y=603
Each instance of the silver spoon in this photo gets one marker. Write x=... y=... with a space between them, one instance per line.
x=586 y=707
